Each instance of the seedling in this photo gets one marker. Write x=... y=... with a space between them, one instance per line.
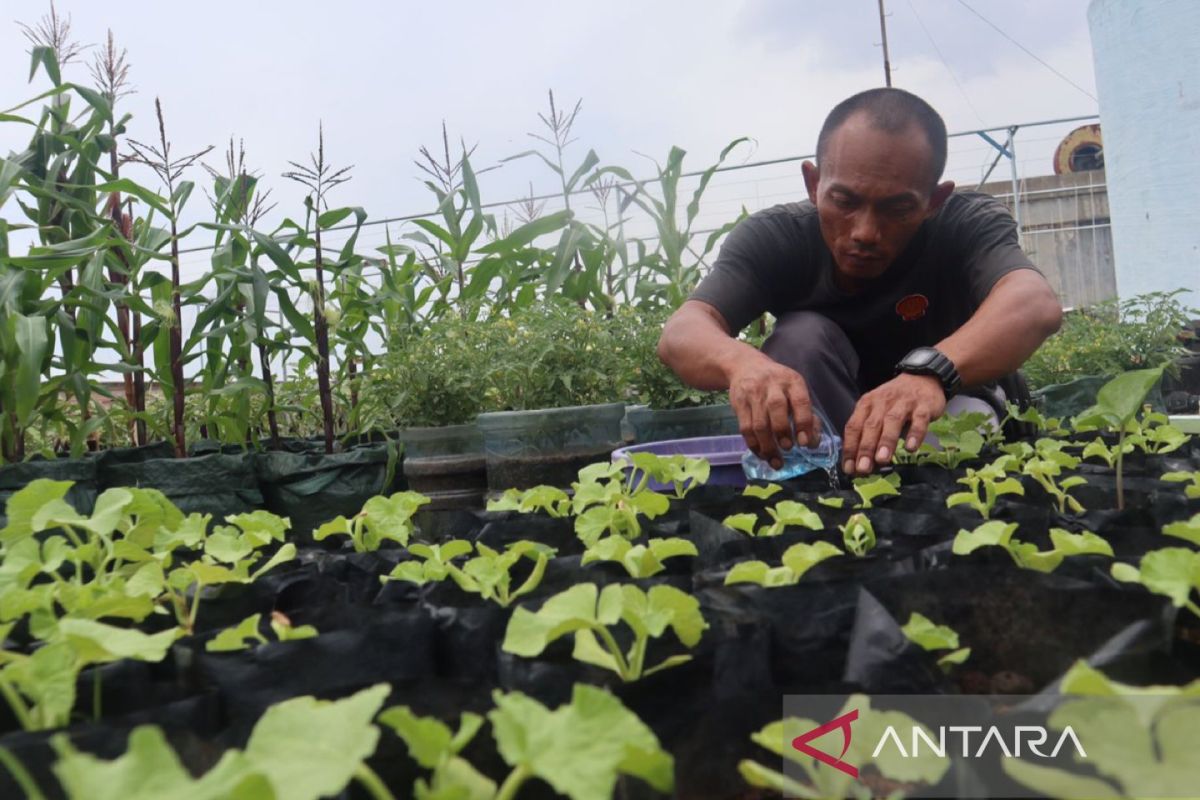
x=381 y=519
x=796 y=560
x=1051 y=426
x=1156 y=434
x=641 y=560
x=858 y=534
x=871 y=489
x=580 y=749
x=489 y=574
x=984 y=486
x=1025 y=554
x=681 y=472
x=959 y=439
x=922 y=631
x=431 y=562
x=605 y=503
x=589 y=614
x=248 y=633
x=301 y=748
x=1117 y=404
x=1172 y=571
x=784 y=514
x=549 y=499
x=1046 y=471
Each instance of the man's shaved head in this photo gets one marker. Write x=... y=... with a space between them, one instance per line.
x=892 y=111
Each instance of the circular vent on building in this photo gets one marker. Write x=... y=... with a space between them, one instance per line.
x=1081 y=150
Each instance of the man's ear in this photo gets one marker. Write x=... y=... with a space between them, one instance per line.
x=940 y=194
x=812 y=176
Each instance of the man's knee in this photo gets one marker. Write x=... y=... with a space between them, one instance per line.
x=802 y=339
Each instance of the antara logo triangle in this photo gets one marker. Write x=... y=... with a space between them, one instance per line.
x=801 y=743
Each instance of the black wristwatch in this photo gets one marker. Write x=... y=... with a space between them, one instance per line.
x=929 y=361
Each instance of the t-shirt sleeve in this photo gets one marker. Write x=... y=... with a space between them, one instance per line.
x=990 y=247
x=737 y=283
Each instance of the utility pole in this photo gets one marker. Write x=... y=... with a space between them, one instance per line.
x=887 y=65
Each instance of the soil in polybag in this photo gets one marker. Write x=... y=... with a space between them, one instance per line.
x=389 y=646
x=1024 y=628
x=313 y=488
x=214 y=484
x=502 y=528
x=81 y=496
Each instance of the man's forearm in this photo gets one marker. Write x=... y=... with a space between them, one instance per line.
x=1018 y=315
x=699 y=348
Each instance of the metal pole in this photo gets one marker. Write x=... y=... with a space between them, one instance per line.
x=1012 y=158
x=887 y=65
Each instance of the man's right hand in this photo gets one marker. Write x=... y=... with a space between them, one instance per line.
x=764 y=394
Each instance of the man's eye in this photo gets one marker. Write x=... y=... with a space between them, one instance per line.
x=841 y=201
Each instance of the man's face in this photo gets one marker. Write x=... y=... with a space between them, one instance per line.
x=872 y=192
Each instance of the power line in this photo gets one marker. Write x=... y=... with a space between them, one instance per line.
x=945 y=64
x=1028 y=52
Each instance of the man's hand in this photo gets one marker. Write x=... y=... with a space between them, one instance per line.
x=906 y=401
x=764 y=394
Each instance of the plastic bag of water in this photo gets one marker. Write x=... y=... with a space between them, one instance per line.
x=799 y=460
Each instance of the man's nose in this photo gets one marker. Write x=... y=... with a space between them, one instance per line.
x=865 y=232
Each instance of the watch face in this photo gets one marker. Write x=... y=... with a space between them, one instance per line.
x=921 y=357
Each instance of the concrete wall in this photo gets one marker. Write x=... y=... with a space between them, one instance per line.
x=1066 y=231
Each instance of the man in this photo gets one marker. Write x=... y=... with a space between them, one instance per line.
x=882 y=263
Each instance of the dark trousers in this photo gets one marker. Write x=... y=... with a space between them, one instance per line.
x=814 y=346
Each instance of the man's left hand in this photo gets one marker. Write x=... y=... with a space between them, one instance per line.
x=906 y=401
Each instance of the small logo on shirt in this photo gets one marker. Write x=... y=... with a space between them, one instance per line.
x=912 y=307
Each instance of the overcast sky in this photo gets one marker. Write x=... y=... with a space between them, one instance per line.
x=383 y=75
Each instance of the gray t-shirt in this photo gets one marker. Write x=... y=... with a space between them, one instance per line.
x=776 y=261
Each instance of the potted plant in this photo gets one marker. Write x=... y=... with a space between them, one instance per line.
x=551 y=366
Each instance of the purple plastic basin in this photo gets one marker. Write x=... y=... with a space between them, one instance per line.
x=724 y=454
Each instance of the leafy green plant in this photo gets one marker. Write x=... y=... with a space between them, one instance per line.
x=681 y=472
x=871 y=489
x=1050 y=426
x=1047 y=470
x=381 y=519
x=1026 y=554
x=927 y=768
x=1117 y=404
x=984 y=486
x=489 y=574
x=796 y=560
x=640 y=560
x=606 y=501
x=548 y=499
x=1185 y=529
x=248 y=633
x=762 y=492
x=1173 y=572
x=923 y=632
x=301 y=748
x=1112 y=337
x=858 y=534
x=959 y=439
x=784 y=514
x=580 y=749
x=431 y=562
x=589 y=614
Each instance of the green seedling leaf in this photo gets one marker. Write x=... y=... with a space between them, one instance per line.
x=150 y=770
x=1172 y=571
x=986 y=535
x=790 y=513
x=240 y=637
x=832 y=502
x=430 y=741
x=311 y=748
x=228 y=546
x=1188 y=530
x=858 y=534
x=579 y=749
x=1192 y=491
x=762 y=492
x=550 y=499
x=261 y=527
x=390 y=518
x=800 y=558
x=96 y=642
x=922 y=631
x=26 y=502
x=871 y=489
x=741 y=522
